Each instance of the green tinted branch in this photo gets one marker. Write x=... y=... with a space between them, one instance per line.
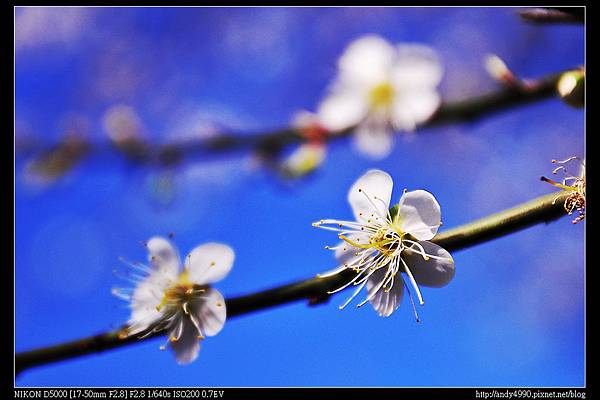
x=540 y=210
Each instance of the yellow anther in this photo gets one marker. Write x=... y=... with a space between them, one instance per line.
x=345 y=239
x=382 y=95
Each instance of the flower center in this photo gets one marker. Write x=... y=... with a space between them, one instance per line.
x=386 y=241
x=180 y=293
x=382 y=95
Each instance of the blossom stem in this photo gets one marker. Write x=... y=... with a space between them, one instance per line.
x=540 y=210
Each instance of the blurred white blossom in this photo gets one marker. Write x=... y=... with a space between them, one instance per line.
x=381 y=243
x=39 y=26
x=381 y=88
x=181 y=302
x=499 y=71
x=122 y=123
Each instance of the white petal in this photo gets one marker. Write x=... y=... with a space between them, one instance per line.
x=211 y=312
x=186 y=348
x=385 y=303
x=375 y=142
x=142 y=319
x=209 y=262
x=416 y=66
x=163 y=256
x=375 y=184
x=419 y=214
x=144 y=300
x=343 y=108
x=412 y=108
x=367 y=61
x=432 y=272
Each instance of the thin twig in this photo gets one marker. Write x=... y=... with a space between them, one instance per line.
x=554 y=15
x=540 y=210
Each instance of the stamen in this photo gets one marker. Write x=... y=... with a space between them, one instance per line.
x=412 y=302
x=568 y=160
x=370 y=296
x=373 y=204
x=196 y=323
x=348 y=283
x=354 y=224
x=431 y=256
x=353 y=294
x=118 y=292
x=412 y=281
x=420 y=247
x=359 y=245
x=136 y=265
x=332 y=272
x=178 y=331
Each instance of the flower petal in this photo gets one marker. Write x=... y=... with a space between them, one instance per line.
x=416 y=66
x=186 y=348
x=367 y=61
x=209 y=262
x=145 y=298
x=419 y=214
x=385 y=303
x=342 y=109
x=142 y=319
x=375 y=142
x=413 y=108
x=211 y=312
x=432 y=272
x=163 y=256
x=375 y=184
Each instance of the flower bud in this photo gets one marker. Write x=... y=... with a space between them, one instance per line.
x=571 y=87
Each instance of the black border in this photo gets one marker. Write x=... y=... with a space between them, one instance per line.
x=279 y=393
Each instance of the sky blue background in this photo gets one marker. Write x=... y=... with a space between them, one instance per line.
x=514 y=313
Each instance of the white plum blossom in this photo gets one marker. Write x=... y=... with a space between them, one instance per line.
x=381 y=88
x=381 y=243
x=179 y=300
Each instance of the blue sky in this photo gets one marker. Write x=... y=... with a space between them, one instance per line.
x=512 y=316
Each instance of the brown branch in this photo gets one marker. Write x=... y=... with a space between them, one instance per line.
x=540 y=210
x=139 y=152
x=554 y=15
